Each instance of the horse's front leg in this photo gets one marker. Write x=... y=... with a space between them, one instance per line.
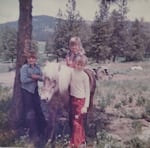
x=51 y=126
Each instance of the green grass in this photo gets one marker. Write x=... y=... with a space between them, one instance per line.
x=125 y=96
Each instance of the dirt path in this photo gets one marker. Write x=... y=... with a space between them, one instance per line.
x=7 y=78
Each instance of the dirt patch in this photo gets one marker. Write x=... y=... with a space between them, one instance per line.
x=7 y=78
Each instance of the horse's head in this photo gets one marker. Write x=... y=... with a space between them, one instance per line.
x=50 y=87
x=50 y=81
x=56 y=80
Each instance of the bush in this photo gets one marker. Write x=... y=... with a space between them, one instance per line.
x=7 y=136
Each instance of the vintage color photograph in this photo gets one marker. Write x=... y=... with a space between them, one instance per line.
x=75 y=73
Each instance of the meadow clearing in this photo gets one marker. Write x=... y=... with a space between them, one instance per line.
x=125 y=101
x=121 y=116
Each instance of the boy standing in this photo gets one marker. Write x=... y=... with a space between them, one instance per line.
x=30 y=74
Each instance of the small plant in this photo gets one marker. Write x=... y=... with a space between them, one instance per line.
x=130 y=99
x=5 y=93
x=118 y=105
x=124 y=102
x=135 y=143
x=141 y=101
x=7 y=136
x=147 y=107
x=137 y=126
x=106 y=141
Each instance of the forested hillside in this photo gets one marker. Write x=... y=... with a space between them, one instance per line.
x=43 y=26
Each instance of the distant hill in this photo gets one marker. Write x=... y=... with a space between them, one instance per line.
x=43 y=26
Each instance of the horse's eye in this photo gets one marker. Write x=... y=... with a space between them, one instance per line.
x=54 y=84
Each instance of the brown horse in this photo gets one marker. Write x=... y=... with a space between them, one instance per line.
x=55 y=89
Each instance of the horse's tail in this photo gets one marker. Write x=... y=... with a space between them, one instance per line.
x=92 y=80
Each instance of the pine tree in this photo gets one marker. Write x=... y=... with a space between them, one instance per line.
x=136 y=43
x=101 y=32
x=119 y=34
x=69 y=24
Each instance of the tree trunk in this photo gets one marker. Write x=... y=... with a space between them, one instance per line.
x=23 y=46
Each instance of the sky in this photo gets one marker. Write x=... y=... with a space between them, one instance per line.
x=9 y=9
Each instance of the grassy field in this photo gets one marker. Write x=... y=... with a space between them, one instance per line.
x=121 y=117
x=122 y=106
x=125 y=101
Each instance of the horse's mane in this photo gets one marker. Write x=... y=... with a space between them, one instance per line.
x=62 y=74
x=50 y=70
x=59 y=72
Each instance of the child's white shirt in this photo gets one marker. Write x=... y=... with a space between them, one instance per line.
x=80 y=86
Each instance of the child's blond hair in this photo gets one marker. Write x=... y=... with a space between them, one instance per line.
x=76 y=41
x=32 y=54
x=81 y=59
